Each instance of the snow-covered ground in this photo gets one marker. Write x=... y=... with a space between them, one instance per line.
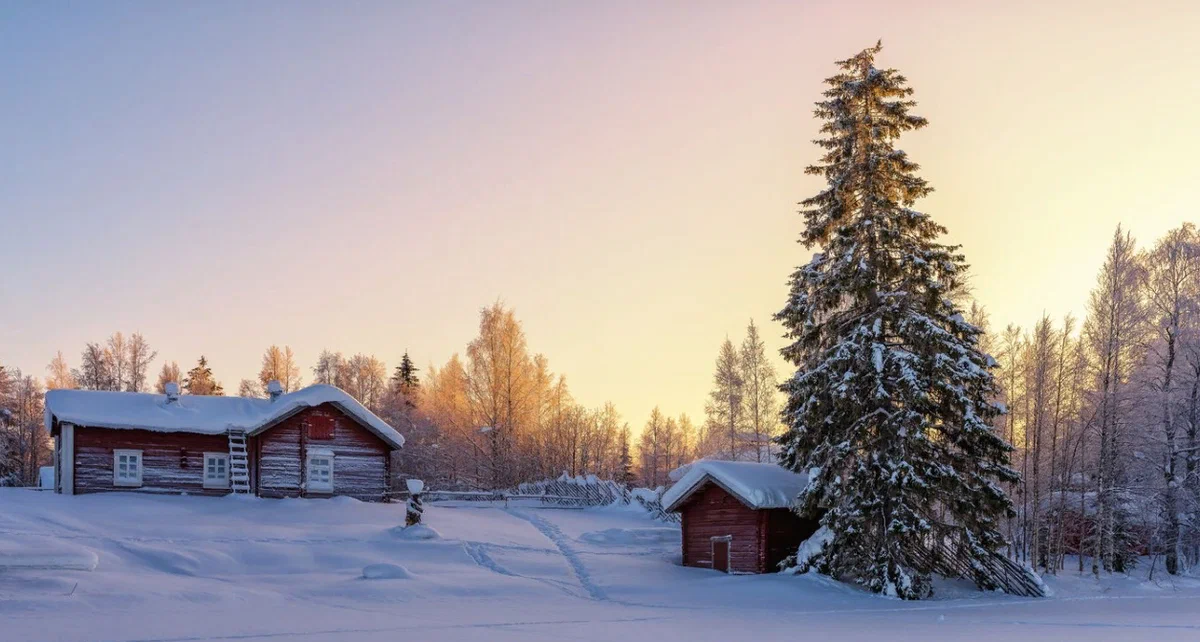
x=198 y=568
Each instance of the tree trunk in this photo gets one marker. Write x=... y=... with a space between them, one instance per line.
x=1174 y=526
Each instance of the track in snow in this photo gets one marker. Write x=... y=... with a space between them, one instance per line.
x=555 y=535
x=478 y=552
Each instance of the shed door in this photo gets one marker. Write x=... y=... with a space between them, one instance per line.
x=720 y=553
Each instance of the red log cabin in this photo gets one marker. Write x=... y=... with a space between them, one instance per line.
x=314 y=442
x=737 y=516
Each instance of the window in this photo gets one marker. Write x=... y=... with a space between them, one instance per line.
x=216 y=470
x=320 y=471
x=127 y=468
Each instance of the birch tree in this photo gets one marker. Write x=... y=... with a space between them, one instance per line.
x=138 y=359
x=1116 y=320
x=1170 y=276
x=169 y=373
x=760 y=391
x=279 y=364
x=58 y=374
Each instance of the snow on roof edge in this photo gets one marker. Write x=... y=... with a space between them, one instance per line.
x=757 y=485
x=318 y=394
x=202 y=414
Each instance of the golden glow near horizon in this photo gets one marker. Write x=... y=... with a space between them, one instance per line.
x=624 y=176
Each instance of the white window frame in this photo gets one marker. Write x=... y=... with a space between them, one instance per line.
x=127 y=481
x=322 y=453
x=216 y=482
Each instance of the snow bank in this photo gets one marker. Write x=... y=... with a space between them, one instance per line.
x=756 y=485
x=812 y=546
x=385 y=572
x=416 y=532
x=294 y=569
x=632 y=536
x=18 y=554
x=202 y=414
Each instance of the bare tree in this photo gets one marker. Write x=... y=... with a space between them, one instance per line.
x=118 y=356
x=96 y=370
x=1171 y=272
x=27 y=446
x=1116 y=320
x=249 y=389
x=366 y=379
x=1063 y=395
x=761 y=392
x=650 y=449
x=279 y=365
x=330 y=369
x=501 y=388
x=169 y=373
x=138 y=358
x=688 y=438
x=58 y=373
x=1039 y=380
x=1010 y=376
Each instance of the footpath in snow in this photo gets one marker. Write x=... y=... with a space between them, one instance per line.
x=197 y=568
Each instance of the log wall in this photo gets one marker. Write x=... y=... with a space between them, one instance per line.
x=712 y=512
x=761 y=538
x=172 y=462
x=360 y=463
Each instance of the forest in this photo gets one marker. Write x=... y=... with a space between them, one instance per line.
x=1105 y=414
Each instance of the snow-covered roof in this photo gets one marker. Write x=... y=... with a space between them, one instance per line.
x=210 y=415
x=755 y=485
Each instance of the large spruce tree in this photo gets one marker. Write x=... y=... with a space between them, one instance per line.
x=890 y=410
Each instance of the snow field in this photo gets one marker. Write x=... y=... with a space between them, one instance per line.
x=200 y=568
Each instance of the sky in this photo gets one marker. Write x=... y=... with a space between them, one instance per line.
x=359 y=176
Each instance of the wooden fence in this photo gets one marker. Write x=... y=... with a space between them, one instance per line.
x=564 y=492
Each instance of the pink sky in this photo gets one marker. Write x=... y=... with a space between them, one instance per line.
x=223 y=177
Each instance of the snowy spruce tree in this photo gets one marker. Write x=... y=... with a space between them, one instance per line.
x=890 y=410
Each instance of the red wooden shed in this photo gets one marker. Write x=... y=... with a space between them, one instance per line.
x=737 y=516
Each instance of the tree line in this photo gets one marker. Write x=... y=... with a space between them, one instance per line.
x=498 y=415
x=1105 y=416
x=741 y=416
x=492 y=418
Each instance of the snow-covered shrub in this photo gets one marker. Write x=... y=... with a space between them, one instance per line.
x=414 y=509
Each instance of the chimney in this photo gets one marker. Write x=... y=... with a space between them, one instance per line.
x=274 y=389
x=172 y=390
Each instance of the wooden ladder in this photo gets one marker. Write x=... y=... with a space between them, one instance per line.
x=239 y=464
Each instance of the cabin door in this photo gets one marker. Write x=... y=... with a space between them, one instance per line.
x=720 y=553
